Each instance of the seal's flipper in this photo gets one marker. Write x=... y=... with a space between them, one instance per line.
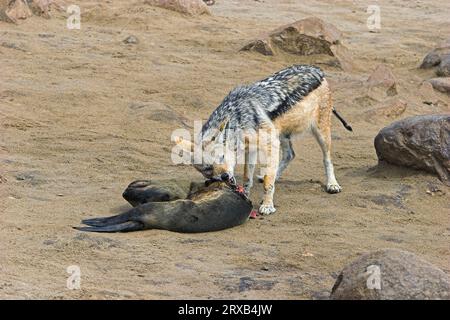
x=106 y=221
x=122 y=227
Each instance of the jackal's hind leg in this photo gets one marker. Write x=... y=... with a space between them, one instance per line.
x=287 y=154
x=322 y=133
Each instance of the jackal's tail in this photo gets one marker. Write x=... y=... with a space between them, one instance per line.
x=344 y=123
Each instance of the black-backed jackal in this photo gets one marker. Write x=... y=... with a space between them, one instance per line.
x=292 y=101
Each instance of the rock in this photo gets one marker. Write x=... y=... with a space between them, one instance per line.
x=310 y=36
x=43 y=7
x=391 y=274
x=306 y=37
x=262 y=46
x=390 y=109
x=427 y=93
x=444 y=68
x=189 y=7
x=343 y=57
x=13 y=11
x=440 y=58
x=131 y=40
x=435 y=57
x=441 y=84
x=381 y=83
x=420 y=142
x=433 y=189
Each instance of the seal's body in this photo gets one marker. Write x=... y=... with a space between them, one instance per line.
x=206 y=208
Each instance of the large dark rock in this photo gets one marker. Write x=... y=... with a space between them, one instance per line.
x=306 y=37
x=391 y=274
x=420 y=142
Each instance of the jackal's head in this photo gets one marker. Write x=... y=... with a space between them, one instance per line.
x=213 y=162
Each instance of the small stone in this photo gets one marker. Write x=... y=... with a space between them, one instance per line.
x=131 y=40
x=307 y=254
x=428 y=94
x=433 y=190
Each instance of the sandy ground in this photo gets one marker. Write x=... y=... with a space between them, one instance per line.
x=82 y=115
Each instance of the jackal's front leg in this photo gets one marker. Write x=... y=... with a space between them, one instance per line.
x=267 y=206
x=269 y=169
x=249 y=169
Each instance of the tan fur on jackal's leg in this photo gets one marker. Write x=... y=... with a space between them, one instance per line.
x=322 y=133
x=267 y=206
x=270 y=151
x=249 y=168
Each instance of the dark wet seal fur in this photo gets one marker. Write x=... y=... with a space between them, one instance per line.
x=205 y=208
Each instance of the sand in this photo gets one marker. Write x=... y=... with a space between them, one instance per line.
x=83 y=114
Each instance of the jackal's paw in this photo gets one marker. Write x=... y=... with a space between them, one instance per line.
x=334 y=188
x=266 y=209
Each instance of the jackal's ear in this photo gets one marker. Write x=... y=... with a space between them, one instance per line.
x=184 y=144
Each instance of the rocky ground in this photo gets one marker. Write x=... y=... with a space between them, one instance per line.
x=82 y=114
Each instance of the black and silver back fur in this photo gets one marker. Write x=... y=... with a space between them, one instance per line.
x=248 y=106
